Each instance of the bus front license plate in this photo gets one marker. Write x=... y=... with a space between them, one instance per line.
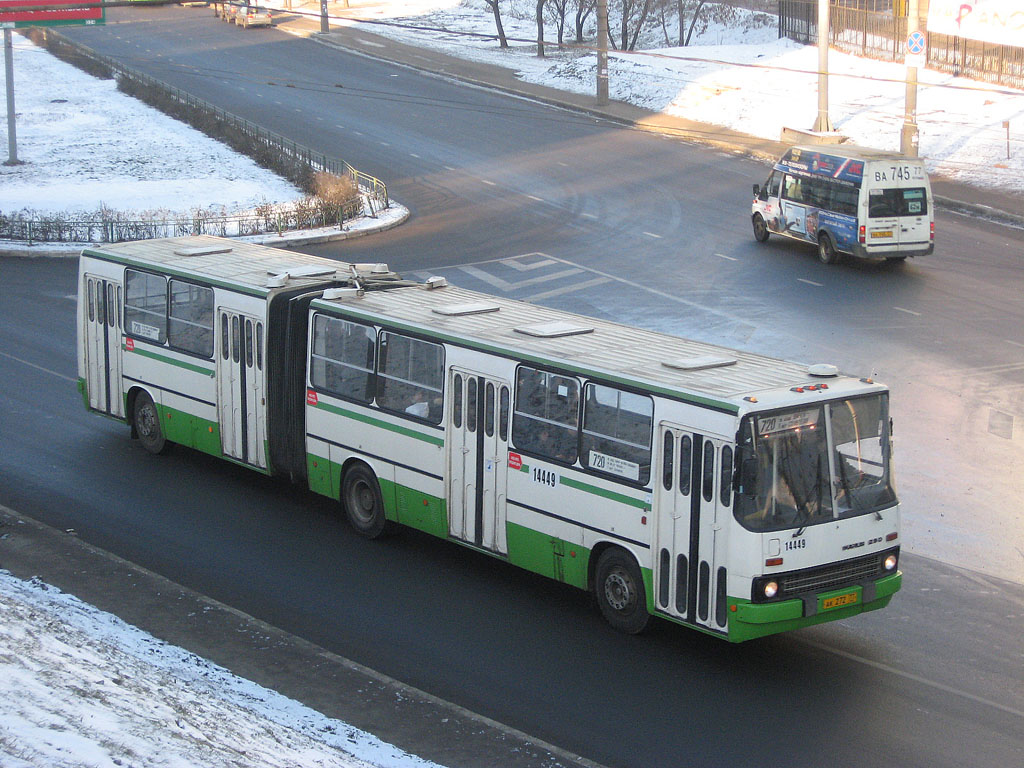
x=839 y=601
x=882 y=233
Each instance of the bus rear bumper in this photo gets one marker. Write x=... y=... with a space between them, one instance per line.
x=749 y=620
x=874 y=254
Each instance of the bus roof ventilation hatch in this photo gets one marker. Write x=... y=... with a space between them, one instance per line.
x=554 y=330
x=203 y=250
x=699 y=363
x=469 y=308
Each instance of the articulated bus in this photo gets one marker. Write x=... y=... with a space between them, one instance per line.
x=733 y=493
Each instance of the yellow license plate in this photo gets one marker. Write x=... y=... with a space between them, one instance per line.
x=840 y=600
x=882 y=233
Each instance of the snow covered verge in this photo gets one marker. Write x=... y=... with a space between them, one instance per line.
x=79 y=687
x=738 y=74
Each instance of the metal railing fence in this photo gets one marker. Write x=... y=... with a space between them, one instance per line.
x=861 y=30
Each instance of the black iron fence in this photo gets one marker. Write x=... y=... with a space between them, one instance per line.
x=868 y=28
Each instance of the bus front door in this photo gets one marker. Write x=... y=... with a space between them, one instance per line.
x=240 y=392
x=689 y=563
x=103 y=345
x=477 y=459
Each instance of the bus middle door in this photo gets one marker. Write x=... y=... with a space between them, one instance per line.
x=240 y=398
x=477 y=460
x=103 y=345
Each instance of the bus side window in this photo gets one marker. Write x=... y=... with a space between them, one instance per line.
x=792 y=190
x=667 y=460
x=773 y=184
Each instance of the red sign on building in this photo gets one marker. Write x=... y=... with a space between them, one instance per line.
x=15 y=14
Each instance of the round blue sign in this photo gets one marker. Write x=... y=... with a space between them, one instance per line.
x=915 y=42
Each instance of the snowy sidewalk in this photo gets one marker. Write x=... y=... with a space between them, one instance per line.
x=82 y=685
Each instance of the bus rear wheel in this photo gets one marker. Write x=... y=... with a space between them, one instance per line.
x=146 y=421
x=619 y=589
x=360 y=496
x=827 y=253
x=760 y=228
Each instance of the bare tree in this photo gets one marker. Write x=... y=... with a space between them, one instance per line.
x=540 y=28
x=558 y=11
x=502 y=40
x=693 y=21
x=583 y=9
x=633 y=15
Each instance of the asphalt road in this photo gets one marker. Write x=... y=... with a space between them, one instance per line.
x=642 y=229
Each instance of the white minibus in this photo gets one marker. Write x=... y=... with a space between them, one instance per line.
x=858 y=201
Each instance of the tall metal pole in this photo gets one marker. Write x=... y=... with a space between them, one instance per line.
x=12 y=135
x=909 y=138
x=325 y=27
x=822 y=123
x=602 y=51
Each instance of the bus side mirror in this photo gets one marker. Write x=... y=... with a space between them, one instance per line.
x=757 y=189
x=747 y=474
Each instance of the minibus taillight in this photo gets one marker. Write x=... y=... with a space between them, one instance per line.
x=862 y=234
x=931 y=234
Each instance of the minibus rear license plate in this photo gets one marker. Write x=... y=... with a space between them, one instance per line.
x=882 y=233
x=840 y=600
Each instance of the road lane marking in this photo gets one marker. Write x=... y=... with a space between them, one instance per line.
x=723 y=256
x=910 y=676
x=588 y=216
x=908 y=311
x=489 y=183
x=38 y=367
x=534 y=197
x=651 y=234
x=810 y=282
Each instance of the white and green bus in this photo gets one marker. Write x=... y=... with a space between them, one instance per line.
x=734 y=493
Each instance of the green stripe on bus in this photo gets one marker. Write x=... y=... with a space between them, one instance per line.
x=374 y=422
x=619 y=497
x=170 y=361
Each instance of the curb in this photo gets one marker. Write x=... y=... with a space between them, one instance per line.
x=399 y=714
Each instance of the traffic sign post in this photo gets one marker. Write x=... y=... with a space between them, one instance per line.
x=916 y=46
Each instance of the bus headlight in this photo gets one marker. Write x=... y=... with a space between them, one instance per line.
x=890 y=561
x=771 y=589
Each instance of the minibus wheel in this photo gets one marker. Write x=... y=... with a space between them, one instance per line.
x=619 y=589
x=826 y=251
x=760 y=228
x=360 y=496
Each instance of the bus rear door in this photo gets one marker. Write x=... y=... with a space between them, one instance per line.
x=103 y=345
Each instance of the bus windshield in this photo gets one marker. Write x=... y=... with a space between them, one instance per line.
x=817 y=464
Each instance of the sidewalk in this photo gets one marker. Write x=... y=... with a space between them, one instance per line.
x=1004 y=207
x=417 y=722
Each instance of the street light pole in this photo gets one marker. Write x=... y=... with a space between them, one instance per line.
x=822 y=123
x=909 y=138
x=12 y=138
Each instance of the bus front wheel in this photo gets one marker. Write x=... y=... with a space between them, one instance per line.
x=760 y=228
x=619 y=589
x=146 y=421
x=360 y=495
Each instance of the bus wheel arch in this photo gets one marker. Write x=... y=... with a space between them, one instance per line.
x=618 y=587
x=145 y=421
x=362 y=500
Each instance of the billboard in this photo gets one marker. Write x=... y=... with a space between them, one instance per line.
x=990 y=21
x=15 y=14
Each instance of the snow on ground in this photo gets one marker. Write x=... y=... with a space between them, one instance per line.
x=79 y=687
x=736 y=73
x=85 y=144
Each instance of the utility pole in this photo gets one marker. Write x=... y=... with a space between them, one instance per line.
x=325 y=27
x=909 y=137
x=822 y=124
x=602 y=51
x=12 y=138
